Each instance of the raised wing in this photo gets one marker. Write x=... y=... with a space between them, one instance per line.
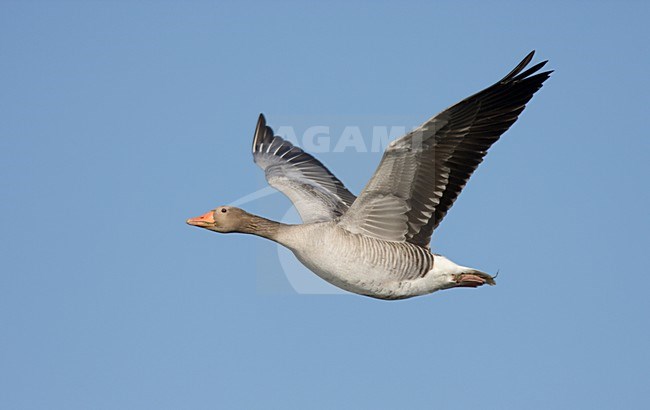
x=422 y=173
x=315 y=192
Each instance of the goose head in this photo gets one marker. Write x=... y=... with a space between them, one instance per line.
x=223 y=219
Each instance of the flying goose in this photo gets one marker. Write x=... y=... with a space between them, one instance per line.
x=377 y=244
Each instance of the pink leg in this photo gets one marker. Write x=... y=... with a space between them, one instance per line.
x=467 y=280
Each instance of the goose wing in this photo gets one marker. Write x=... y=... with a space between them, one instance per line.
x=315 y=192
x=422 y=173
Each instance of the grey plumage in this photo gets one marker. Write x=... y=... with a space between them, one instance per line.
x=317 y=194
x=421 y=174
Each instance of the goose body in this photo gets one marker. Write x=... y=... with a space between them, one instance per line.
x=378 y=244
x=370 y=266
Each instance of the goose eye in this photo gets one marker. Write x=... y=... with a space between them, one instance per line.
x=224 y=210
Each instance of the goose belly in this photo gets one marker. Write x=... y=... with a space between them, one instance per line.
x=364 y=265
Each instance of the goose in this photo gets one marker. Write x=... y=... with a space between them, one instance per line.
x=377 y=244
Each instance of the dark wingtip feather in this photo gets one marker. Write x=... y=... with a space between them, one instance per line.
x=519 y=67
x=530 y=71
x=260 y=130
x=261 y=121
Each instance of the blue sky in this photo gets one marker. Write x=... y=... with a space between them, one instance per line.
x=122 y=119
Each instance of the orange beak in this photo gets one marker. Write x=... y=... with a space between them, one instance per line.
x=202 y=221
